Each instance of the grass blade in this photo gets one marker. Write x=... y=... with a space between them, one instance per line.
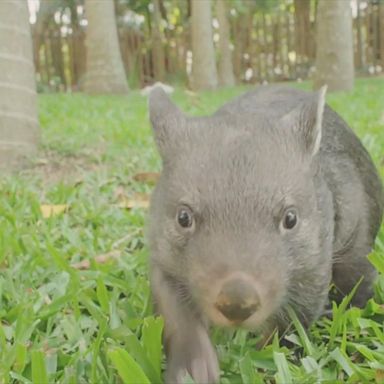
x=151 y=338
x=129 y=371
x=339 y=357
x=39 y=370
x=283 y=375
x=377 y=260
x=248 y=373
x=305 y=342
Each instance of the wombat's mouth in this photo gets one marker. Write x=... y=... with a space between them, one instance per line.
x=251 y=322
x=237 y=313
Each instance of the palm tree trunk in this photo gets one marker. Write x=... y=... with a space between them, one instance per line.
x=204 y=74
x=104 y=69
x=334 y=52
x=226 y=75
x=157 y=44
x=19 y=128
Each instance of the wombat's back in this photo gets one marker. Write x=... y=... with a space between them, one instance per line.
x=344 y=159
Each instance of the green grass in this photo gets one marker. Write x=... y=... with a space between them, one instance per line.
x=61 y=324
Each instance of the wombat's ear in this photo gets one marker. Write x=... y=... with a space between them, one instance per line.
x=306 y=120
x=167 y=120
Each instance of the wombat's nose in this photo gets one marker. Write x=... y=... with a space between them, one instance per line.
x=237 y=300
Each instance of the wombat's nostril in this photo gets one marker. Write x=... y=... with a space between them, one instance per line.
x=237 y=300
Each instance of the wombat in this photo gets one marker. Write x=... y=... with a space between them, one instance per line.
x=259 y=207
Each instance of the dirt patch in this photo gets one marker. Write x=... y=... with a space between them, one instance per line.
x=51 y=167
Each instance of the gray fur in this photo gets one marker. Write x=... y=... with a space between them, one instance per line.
x=238 y=170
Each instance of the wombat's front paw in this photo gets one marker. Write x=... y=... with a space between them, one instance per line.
x=195 y=355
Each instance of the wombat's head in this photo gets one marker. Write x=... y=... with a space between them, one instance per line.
x=235 y=221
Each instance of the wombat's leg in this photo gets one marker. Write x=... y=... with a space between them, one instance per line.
x=187 y=344
x=349 y=267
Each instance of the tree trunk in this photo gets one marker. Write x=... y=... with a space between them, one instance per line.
x=334 y=56
x=57 y=57
x=226 y=75
x=157 y=44
x=19 y=128
x=204 y=74
x=240 y=35
x=104 y=68
x=359 y=35
x=302 y=26
x=76 y=45
x=381 y=28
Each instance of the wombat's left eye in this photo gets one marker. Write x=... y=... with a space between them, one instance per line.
x=290 y=219
x=185 y=217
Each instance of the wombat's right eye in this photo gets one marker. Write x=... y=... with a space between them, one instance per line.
x=290 y=219
x=185 y=217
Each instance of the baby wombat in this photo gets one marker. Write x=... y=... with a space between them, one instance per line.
x=259 y=207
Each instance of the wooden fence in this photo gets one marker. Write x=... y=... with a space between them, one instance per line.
x=268 y=46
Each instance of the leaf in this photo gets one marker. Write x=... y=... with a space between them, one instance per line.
x=19 y=378
x=248 y=373
x=102 y=295
x=48 y=211
x=342 y=360
x=305 y=342
x=39 y=370
x=151 y=339
x=309 y=364
x=263 y=359
x=100 y=259
x=92 y=308
x=139 y=200
x=137 y=351
x=379 y=376
x=147 y=177
x=96 y=351
x=283 y=375
x=377 y=260
x=129 y=371
x=21 y=357
x=338 y=314
x=3 y=338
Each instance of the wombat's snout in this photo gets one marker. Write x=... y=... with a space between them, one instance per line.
x=237 y=300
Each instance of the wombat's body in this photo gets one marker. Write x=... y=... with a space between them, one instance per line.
x=259 y=206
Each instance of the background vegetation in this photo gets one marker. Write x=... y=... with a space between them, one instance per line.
x=271 y=40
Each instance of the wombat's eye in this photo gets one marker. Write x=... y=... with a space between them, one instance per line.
x=290 y=219
x=185 y=217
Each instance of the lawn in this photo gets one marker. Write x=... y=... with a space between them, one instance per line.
x=75 y=301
